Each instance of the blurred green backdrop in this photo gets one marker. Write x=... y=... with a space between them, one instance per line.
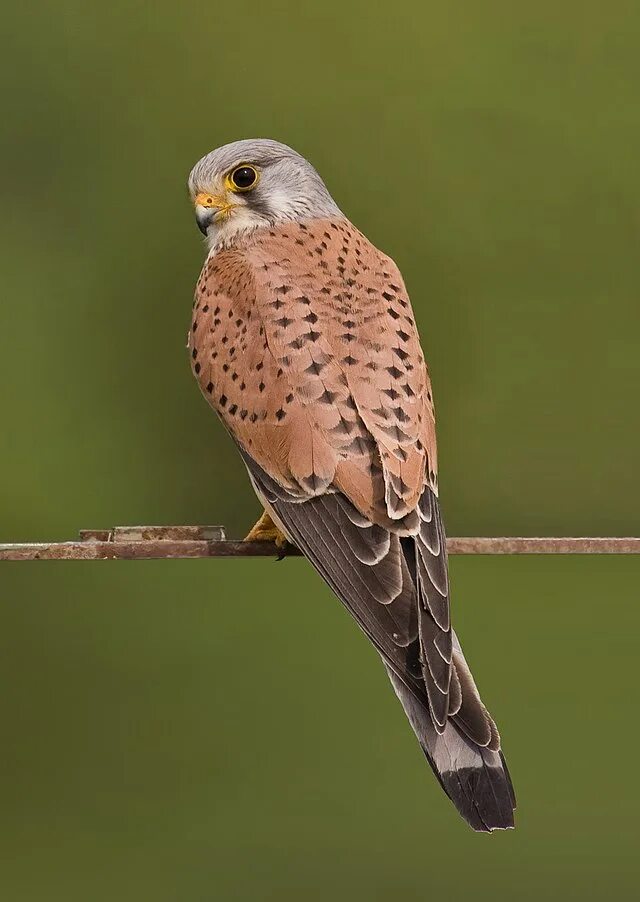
x=219 y=730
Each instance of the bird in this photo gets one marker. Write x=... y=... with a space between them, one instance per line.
x=304 y=342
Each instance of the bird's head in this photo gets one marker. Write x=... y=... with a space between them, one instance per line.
x=250 y=184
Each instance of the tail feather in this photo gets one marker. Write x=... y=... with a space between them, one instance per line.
x=475 y=778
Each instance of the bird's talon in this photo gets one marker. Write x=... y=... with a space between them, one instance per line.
x=265 y=530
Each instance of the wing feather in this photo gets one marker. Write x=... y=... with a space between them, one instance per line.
x=304 y=343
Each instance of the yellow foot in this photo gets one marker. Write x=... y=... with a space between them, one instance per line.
x=266 y=530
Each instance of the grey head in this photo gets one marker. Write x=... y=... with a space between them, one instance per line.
x=250 y=184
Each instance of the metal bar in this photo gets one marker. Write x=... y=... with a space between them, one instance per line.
x=158 y=542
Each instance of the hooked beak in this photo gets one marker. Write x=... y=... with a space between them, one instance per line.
x=208 y=208
x=204 y=217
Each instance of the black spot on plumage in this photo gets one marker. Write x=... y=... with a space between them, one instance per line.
x=395 y=433
x=387 y=296
x=209 y=387
x=344 y=427
x=391 y=392
x=261 y=387
x=280 y=414
x=349 y=360
x=403 y=336
x=259 y=365
x=393 y=313
x=313 y=336
x=328 y=397
x=357 y=446
x=289 y=398
x=394 y=372
x=223 y=400
x=233 y=409
x=284 y=321
x=310 y=318
x=315 y=368
x=197 y=368
x=194 y=353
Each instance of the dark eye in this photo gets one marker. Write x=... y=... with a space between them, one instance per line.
x=244 y=177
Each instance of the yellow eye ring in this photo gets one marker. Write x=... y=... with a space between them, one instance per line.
x=242 y=178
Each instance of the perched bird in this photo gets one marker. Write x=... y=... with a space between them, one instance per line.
x=304 y=342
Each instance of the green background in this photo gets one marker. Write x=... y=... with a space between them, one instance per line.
x=219 y=730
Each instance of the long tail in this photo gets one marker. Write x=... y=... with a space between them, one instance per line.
x=475 y=778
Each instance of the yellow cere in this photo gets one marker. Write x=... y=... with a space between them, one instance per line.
x=210 y=200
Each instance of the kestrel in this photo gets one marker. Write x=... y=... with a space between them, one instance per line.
x=304 y=342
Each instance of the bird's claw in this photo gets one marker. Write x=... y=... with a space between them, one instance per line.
x=265 y=530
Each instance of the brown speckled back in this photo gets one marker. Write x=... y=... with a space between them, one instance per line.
x=304 y=342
